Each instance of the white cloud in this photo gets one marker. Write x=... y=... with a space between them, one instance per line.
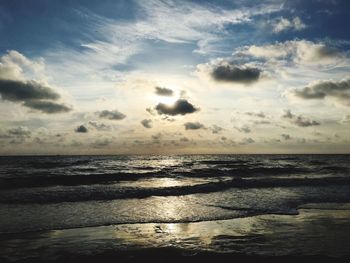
x=297 y=51
x=284 y=24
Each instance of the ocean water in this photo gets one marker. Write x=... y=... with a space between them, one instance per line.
x=52 y=193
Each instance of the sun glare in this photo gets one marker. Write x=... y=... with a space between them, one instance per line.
x=166 y=100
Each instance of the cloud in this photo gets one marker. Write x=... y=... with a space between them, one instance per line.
x=81 y=129
x=297 y=51
x=262 y=122
x=339 y=90
x=30 y=93
x=157 y=136
x=99 y=126
x=164 y=91
x=227 y=72
x=180 y=107
x=299 y=120
x=244 y=129
x=16 y=135
x=256 y=114
x=111 y=115
x=284 y=24
x=147 y=123
x=101 y=143
x=47 y=106
x=286 y=137
x=194 y=126
x=247 y=141
x=215 y=129
x=19 y=131
x=15 y=90
x=346 y=119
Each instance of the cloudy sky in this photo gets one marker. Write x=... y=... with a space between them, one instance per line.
x=168 y=77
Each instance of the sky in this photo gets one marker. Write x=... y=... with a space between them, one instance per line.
x=174 y=77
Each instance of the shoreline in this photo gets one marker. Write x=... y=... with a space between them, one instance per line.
x=318 y=233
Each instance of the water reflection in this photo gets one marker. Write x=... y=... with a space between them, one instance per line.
x=314 y=231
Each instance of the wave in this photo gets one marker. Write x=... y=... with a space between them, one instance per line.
x=71 y=180
x=86 y=175
x=111 y=192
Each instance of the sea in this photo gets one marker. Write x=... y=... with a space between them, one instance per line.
x=220 y=203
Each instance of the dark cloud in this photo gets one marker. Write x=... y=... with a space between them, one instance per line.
x=16 y=135
x=99 y=126
x=147 y=123
x=216 y=129
x=261 y=122
x=194 y=126
x=299 y=120
x=163 y=91
x=157 y=136
x=47 y=106
x=180 y=107
x=339 y=90
x=232 y=73
x=101 y=143
x=15 y=90
x=32 y=94
x=288 y=114
x=256 y=114
x=244 y=129
x=303 y=122
x=286 y=136
x=81 y=129
x=111 y=115
x=19 y=131
x=247 y=141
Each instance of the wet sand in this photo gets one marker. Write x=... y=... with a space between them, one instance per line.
x=320 y=232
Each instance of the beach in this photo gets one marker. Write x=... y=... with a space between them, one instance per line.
x=269 y=214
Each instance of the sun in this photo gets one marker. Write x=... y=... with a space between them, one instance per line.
x=166 y=100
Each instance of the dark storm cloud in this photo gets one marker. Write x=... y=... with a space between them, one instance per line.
x=339 y=90
x=300 y=121
x=232 y=73
x=47 y=106
x=147 y=123
x=111 y=115
x=180 y=107
x=81 y=129
x=194 y=126
x=163 y=91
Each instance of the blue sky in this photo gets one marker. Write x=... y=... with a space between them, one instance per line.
x=246 y=76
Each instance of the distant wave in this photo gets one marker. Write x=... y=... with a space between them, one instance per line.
x=85 y=177
x=114 y=192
